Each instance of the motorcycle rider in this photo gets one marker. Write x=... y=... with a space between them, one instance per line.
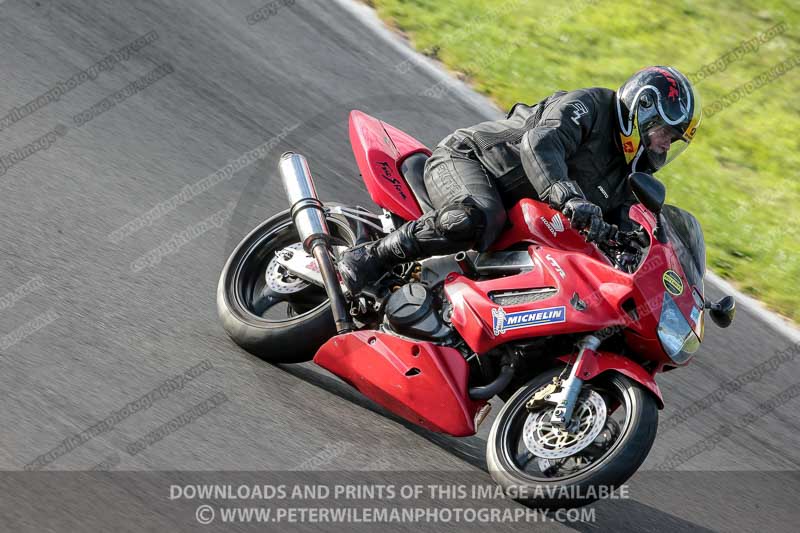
x=573 y=150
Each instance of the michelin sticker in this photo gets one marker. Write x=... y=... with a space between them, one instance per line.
x=503 y=321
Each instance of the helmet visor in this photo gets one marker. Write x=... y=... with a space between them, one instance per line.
x=662 y=142
x=664 y=139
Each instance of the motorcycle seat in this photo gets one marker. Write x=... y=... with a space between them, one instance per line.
x=413 y=170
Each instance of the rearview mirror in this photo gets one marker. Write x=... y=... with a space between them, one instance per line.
x=723 y=311
x=648 y=190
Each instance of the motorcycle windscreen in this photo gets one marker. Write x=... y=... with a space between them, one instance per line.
x=686 y=236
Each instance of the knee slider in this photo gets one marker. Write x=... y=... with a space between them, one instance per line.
x=462 y=221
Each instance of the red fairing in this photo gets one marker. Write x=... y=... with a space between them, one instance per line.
x=589 y=295
x=379 y=150
x=424 y=383
x=562 y=260
x=641 y=335
x=474 y=311
x=536 y=222
x=595 y=363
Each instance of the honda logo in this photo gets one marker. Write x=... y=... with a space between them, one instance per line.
x=555 y=225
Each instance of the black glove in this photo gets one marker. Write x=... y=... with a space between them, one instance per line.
x=600 y=231
x=583 y=214
x=559 y=193
x=580 y=213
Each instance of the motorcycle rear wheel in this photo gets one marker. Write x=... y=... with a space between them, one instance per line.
x=286 y=325
x=608 y=465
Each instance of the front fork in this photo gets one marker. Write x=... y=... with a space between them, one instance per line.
x=566 y=398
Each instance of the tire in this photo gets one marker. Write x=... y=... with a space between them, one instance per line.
x=619 y=462
x=291 y=339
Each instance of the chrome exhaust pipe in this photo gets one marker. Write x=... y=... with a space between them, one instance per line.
x=309 y=219
x=307 y=211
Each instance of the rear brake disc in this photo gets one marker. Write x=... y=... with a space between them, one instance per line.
x=278 y=278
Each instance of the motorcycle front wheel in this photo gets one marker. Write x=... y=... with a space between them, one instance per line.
x=265 y=310
x=540 y=465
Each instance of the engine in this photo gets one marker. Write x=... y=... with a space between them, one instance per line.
x=410 y=311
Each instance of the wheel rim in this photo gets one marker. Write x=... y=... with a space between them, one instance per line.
x=591 y=445
x=262 y=291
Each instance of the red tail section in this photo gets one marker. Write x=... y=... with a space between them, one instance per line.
x=379 y=150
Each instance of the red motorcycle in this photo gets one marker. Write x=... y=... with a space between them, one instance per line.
x=568 y=333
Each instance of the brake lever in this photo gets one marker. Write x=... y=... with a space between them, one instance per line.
x=611 y=243
x=639 y=237
x=635 y=237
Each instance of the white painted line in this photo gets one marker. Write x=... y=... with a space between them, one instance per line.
x=490 y=111
x=777 y=322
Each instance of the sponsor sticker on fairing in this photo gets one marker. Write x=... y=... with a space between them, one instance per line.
x=502 y=321
x=673 y=282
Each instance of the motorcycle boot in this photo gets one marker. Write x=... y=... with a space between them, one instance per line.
x=448 y=230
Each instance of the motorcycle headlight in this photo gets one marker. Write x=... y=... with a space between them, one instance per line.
x=676 y=335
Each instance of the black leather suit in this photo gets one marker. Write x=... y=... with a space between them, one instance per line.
x=565 y=146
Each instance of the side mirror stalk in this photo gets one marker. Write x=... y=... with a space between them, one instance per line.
x=651 y=193
x=659 y=231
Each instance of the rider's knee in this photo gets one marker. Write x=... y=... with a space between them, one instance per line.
x=473 y=225
x=461 y=221
x=457 y=226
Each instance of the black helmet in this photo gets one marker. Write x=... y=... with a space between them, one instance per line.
x=658 y=113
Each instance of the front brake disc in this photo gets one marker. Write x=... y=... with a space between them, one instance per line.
x=548 y=441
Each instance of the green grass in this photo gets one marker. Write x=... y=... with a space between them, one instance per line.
x=740 y=176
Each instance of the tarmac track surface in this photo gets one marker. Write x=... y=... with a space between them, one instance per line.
x=85 y=332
